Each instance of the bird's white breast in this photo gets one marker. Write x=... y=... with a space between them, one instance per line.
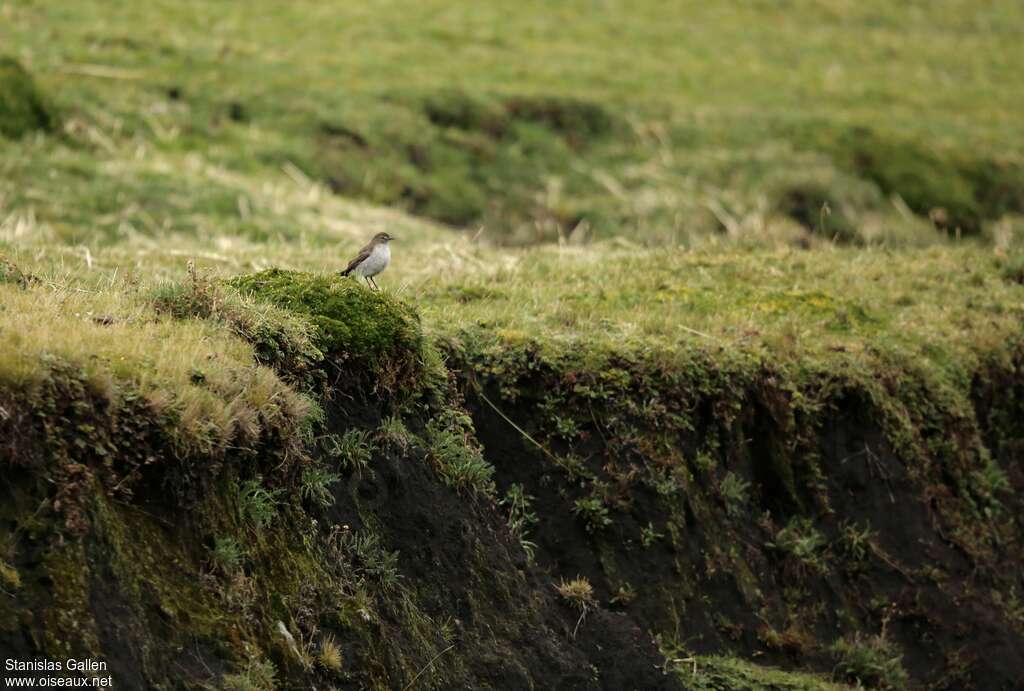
x=378 y=260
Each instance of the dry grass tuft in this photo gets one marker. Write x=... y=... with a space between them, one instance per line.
x=330 y=657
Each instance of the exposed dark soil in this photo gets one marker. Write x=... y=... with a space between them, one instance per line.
x=718 y=582
x=133 y=586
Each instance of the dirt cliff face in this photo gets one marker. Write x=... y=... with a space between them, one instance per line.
x=362 y=549
x=510 y=518
x=862 y=526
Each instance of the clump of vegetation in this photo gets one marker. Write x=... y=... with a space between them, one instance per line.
x=456 y=455
x=353 y=449
x=23 y=108
x=955 y=189
x=1012 y=267
x=315 y=485
x=280 y=338
x=735 y=492
x=856 y=543
x=394 y=434
x=873 y=661
x=457 y=157
x=521 y=518
x=371 y=560
x=10 y=273
x=259 y=675
x=579 y=593
x=10 y=579
x=258 y=504
x=353 y=323
x=593 y=512
x=329 y=656
x=226 y=555
x=803 y=542
x=648 y=535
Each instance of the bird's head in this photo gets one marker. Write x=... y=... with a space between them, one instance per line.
x=382 y=237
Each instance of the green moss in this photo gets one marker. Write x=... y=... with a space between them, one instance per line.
x=69 y=627
x=352 y=322
x=23 y=108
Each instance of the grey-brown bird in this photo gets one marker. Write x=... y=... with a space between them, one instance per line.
x=371 y=260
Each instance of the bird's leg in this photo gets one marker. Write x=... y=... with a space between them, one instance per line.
x=367 y=279
x=375 y=286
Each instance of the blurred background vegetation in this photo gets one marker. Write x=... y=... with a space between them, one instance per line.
x=682 y=123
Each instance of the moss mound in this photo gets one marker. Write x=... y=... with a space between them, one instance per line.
x=23 y=108
x=352 y=323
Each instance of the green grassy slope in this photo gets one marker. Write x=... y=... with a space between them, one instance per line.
x=754 y=202
x=736 y=119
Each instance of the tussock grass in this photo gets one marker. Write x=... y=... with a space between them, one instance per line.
x=203 y=379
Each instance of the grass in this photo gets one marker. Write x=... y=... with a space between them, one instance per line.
x=714 y=672
x=735 y=121
x=872 y=661
x=202 y=380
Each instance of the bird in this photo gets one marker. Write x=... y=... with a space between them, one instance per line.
x=371 y=260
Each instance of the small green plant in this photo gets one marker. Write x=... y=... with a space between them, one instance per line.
x=855 y=542
x=9 y=577
x=393 y=433
x=352 y=449
x=565 y=427
x=459 y=462
x=593 y=512
x=734 y=490
x=664 y=482
x=802 y=541
x=624 y=595
x=226 y=555
x=258 y=504
x=705 y=461
x=520 y=517
x=989 y=482
x=315 y=485
x=259 y=675
x=370 y=558
x=648 y=535
x=872 y=661
x=575 y=468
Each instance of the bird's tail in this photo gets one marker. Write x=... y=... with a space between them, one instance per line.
x=345 y=272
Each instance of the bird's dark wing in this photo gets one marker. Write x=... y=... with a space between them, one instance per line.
x=360 y=258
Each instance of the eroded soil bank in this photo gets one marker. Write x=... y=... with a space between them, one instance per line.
x=487 y=513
